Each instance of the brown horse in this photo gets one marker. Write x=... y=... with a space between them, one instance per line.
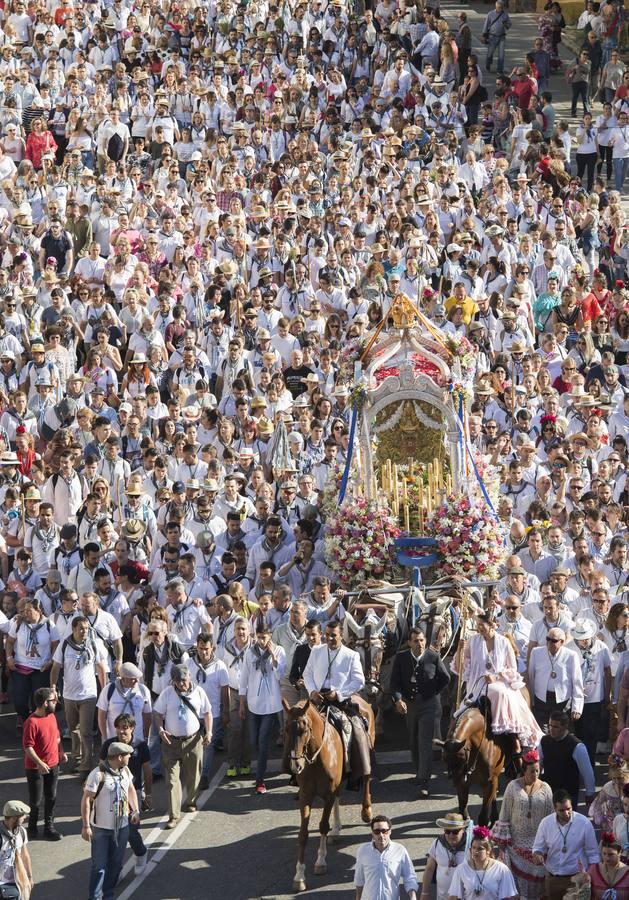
x=316 y=759
x=474 y=757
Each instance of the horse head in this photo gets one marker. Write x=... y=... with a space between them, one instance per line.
x=455 y=754
x=299 y=733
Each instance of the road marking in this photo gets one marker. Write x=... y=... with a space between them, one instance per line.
x=165 y=843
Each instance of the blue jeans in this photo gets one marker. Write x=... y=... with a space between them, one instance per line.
x=620 y=172
x=107 y=859
x=155 y=748
x=218 y=733
x=24 y=686
x=135 y=840
x=496 y=44
x=260 y=731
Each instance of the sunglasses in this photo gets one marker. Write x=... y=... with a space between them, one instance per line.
x=381 y=830
x=452 y=830
x=550 y=640
x=512 y=608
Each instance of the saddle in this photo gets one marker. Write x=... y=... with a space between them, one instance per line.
x=353 y=731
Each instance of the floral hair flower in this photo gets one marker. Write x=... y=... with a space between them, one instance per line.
x=481 y=832
x=531 y=757
x=608 y=837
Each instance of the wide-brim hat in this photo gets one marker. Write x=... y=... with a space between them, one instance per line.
x=133 y=529
x=9 y=458
x=228 y=267
x=452 y=820
x=583 y=630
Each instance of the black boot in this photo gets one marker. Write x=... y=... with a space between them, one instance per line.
x=51 y=833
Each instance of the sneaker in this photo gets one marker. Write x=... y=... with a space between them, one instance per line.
x=172 y=823
x=423 y=790
x=232 y=772
x=260 y=787
x=51 y=834
x=245 y=770
x=204 y=783
x=140 y=863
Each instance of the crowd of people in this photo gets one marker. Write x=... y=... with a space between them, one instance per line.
x=199 y=208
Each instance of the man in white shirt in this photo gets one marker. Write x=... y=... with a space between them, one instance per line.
x=82 y=659
x=187 y=615
x=382 y=864
x=596 y=662
x=555 y=678
x=263 y=668
x=184 y=720
x=513 y=622
x=210 y=673
x=125 y=695
x=565 y=844
x=103 y=627
x=619 y=141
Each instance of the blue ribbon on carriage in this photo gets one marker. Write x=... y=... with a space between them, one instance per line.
x=465 y=447
x=350 y=451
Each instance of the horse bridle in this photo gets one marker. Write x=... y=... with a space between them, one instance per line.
x=310 y=759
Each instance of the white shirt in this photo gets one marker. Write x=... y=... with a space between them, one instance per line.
x=32 y=643
x=568 y=681
x=233 y=657
x=379 y=874
x=116 y=700
x=495 y=883
x=520 y=631
x=211 y=679
x=337 y=669
x=593 y=670
x=79 y=669
x=104 y=627
x=187 y=620
x=262 y=688
x=580 y=842
x=179 y=720
x=103 y=807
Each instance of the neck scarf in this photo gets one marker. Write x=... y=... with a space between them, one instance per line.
x=619 y=638
x=120 y=808
x=86 y=653
x=202 y=669
x=261 y=661
x=32 y=640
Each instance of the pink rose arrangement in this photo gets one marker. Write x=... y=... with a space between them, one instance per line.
x=469 y=537
x=359 y=542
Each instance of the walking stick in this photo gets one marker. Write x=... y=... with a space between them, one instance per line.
x=460 y=648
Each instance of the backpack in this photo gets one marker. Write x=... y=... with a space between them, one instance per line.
x=115 y=147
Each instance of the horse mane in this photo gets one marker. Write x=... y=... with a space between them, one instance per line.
x=467 y=722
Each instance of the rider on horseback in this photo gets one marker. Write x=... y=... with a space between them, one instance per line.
x=332 y=674
x=490 y=672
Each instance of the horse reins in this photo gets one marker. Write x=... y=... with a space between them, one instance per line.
x=310 y=760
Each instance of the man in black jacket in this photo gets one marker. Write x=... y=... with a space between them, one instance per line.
x=417 y=678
